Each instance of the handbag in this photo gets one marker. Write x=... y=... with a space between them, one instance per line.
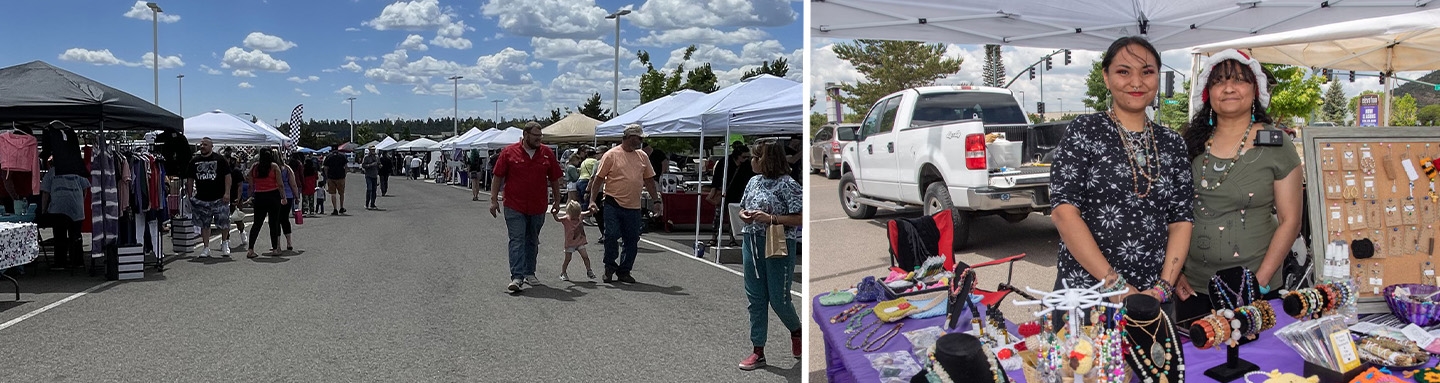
x=775 y=246
x=299 y=217
x=237 y=216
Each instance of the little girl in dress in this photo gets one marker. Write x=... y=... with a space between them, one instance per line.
x=574 y=238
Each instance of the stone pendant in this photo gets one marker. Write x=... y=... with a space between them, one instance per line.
x=1204 y=183
x=1157 y=354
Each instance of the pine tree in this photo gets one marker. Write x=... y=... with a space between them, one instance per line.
x=891 y=66
x=592 y=108
x=1333 y=109
x=994 y=71
x=779 y=69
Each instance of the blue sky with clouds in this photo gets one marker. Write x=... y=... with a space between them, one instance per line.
x=263 y=57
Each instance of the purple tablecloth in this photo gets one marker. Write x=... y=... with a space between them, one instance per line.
x=847 y=366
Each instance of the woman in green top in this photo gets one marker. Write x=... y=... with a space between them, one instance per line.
x=1248 y=197
x=587 y=169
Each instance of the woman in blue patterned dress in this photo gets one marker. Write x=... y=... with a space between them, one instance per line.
x=771 y=197
x=1121 y=190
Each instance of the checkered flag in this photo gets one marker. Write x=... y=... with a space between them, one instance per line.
x=295 y=122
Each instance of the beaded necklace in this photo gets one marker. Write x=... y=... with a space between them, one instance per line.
x=1205 y=167
x=1168 y=351
x=1242 y=297
x=1143 y=164
x=875 y=324
x=879 y=343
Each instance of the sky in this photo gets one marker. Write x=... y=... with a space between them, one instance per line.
x=1064 y=86
x=264 y=57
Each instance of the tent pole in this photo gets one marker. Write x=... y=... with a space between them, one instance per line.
x=1389 y=85
x=724 y=186
x=700 y=197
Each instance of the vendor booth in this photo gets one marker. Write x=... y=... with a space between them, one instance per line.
x=227 y=129
x=76 y=123
x=574 y=128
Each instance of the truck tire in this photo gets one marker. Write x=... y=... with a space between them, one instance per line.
x=831 y=172
x=937 y=199
x=848 y=192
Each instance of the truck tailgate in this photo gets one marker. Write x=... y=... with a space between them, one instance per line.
x=1025 y=176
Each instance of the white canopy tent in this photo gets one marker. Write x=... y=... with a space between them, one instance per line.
x=710 y=114
x=500 y=139
x=419 y=145
x=575 y=127
x=616 y=126
x=470 y=143
x=226 y=129
x=1084 y=24
x=392 y=145
x=783 y=111
x=1408 y=42
x=384 y=143
x=271 y=130
x=450 y=142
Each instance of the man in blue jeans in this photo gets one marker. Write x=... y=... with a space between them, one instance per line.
x=523 y=171
x=371 y=164
x=621 y=173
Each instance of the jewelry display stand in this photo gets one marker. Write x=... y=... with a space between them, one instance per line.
x=1073 y=301
x=1239 y=279
x=1233 y=368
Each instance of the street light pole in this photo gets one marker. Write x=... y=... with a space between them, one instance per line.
x=497 y=112
x=1060 y=105
x=456 y=79
x=155 y=38
x=637 y=93
x=615 y=103
x=1022 y=99
x=181 y=78
x=352 y=119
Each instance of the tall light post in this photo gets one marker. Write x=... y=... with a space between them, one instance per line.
x=456 y=79
x=615 y=103
x=497 y=112
x=181 y=79
x=1022 y=99
x=352 y=119
x=155 y=38
x=1060 y=105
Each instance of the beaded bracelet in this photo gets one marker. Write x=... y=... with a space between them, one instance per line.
x=1267 y=314
x=1209 y=329
x=1163 y=289
x=1298 y=298
x=1222 y=329
x=1334 y=302
x=1118 y=284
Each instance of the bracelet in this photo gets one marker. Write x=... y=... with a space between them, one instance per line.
x=1303 y=305
x=1164 y=289
x=1118 y=284
x=1264 y=289
x=1209 y=334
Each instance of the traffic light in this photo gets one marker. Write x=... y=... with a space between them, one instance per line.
x=1067 y=57
x=1382 y=78
x=1040 y=107
x=1352 y=76
x=1328 y=74
x=1047 y=63
x=1032 y=73
x=1169 y=83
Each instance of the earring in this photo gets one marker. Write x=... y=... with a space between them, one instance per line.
x=1212 y=118
x=1253 y=110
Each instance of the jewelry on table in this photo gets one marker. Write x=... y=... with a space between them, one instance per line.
x=1161 y=369
x=880 y=342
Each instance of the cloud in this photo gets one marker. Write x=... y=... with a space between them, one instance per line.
x=451 y=42
x=372 y=89
x=304 y=95
x=697 y=35
x=410 y=15
x=100 y=57
x=329 y=70
x=142 y=12
x=246 y=85
x=412 y=42
x=267 y=43
x=675 y=14
x=548 y=18
x=348 y=91
x=351 y=58
x=208 y=70
x=750 y=53
x=302 y=80
x=352 y=29
x=568 y=50
x=371 y=58
x=239 y=58
x=298 y=90
x=351 y=66
x=507 y=67
x=105 y=57
x=242 y=73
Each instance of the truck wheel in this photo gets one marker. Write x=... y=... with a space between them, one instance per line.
x=937 y=199
x=848 y=193
x=831 y=172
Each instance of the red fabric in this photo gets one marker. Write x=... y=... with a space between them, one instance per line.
x=21 y=181
x=154 y=186
x=264 y=184
x=21 y=153
x=526 y=178
x=307 y=185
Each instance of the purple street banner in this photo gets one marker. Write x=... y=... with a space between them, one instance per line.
x=1369 y=112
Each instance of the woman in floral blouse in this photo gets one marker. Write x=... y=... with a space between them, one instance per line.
x=1121 y=191
x=771 y=197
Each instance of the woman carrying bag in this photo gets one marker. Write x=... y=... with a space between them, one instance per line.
x=264 y=177
x=771 y=209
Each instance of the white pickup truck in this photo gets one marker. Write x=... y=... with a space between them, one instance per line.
x=926 y=147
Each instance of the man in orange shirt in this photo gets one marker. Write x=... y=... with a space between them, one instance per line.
x=622 y=171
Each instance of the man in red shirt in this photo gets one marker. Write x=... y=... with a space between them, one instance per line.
x=522 y=172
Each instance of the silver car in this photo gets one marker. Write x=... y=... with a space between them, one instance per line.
x=825 y=148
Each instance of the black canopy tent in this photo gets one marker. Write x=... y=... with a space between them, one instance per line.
x=34 y=94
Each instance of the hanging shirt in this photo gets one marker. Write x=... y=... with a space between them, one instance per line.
x=62 y=147
x=18 y=154
x=67 y=194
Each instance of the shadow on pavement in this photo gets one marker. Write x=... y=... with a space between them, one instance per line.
x=213 y=260
x=547 y=292
x=269 y=259
x=644 y=288
x=791 y=374
x=819 y=377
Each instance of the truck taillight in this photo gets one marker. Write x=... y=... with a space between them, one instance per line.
x=975 y=152
x=834 y=147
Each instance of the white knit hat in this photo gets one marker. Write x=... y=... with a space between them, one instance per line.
x=1197 y=99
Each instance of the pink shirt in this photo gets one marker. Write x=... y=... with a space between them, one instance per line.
x=18 y=152
x=574 y=231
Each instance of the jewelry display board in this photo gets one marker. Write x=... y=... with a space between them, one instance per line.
x=1376 y=184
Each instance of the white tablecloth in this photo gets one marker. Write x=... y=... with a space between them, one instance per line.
x=19 y=244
